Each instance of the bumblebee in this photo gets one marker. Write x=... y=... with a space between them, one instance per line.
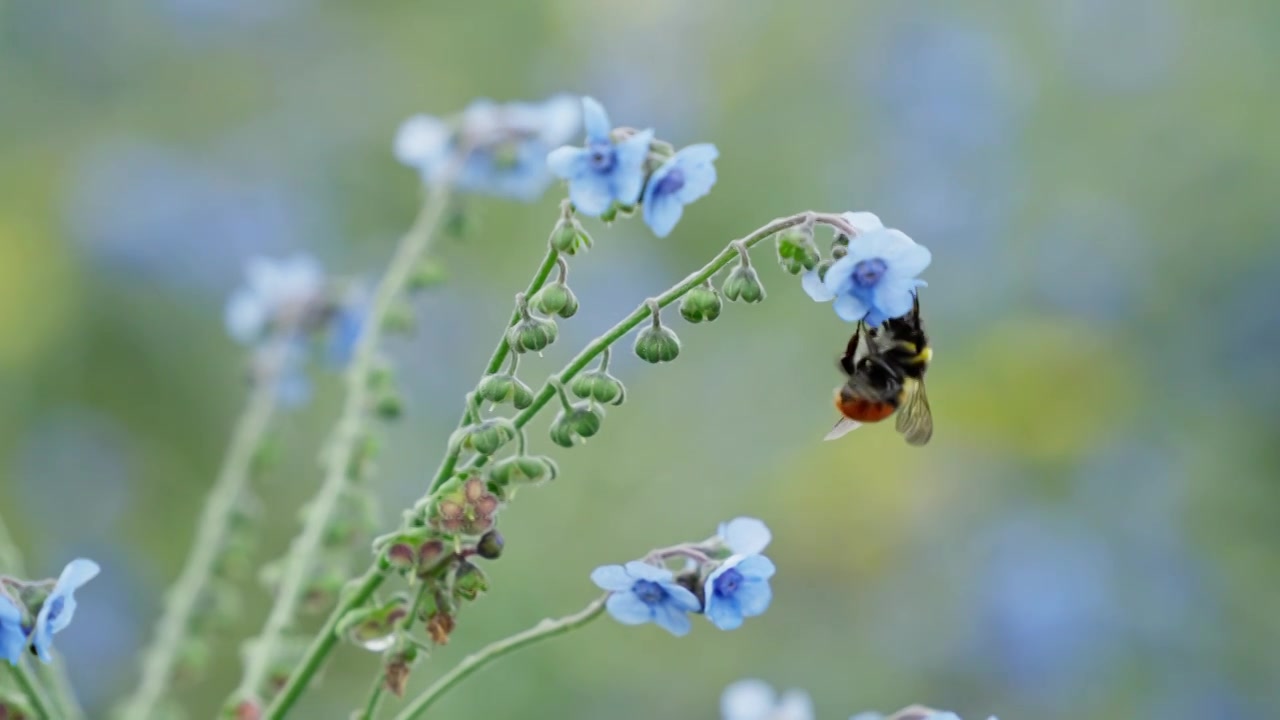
x=885 y=367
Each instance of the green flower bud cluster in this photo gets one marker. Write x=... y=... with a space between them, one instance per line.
x=702 y=303
x=657 y=343
x=796 y=249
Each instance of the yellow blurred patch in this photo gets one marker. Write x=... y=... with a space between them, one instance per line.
x=37 y=288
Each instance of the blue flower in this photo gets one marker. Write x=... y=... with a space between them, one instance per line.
x=604 y=171
x=685 y=177
x=506 y=145
x=755 y=700
x=876 y=280
x=915 y=712
x=12 y=637
x=644 y=593
x=278 y=292
x=57 y=610
x=739 y=589
x=745 y=536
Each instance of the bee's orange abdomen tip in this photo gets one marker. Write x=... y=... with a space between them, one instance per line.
x=864 y=410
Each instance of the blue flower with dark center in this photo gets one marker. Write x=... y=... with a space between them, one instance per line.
x=56 y=612
x=603 y=171
x=644 y=593
x=12 y=637
x=685 y=177
x=739 y=589
x=876 y=280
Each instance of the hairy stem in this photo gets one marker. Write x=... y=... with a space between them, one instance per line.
x=341 y=447
x=211 y=536
x=543 y=630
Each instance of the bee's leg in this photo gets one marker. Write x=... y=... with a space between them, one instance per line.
x=850 y=351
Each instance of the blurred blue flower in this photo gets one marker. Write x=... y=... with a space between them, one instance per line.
x=644 y=593
x=602 y=172
x=876 y=280
x=745 y=535
x=755 y=700
x=278 y=293
x=57 y=610
x=739 y=589
x=12 y=637
x=346 y=324
x=685 y=177
x=915 y=712
x=506 y=145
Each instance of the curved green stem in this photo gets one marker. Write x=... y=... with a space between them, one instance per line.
x=546 y=629
x=337 y=457
x=211 y=536
x=30 y=687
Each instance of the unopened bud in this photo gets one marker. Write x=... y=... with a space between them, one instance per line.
x=490 y=545
x=469 y=582
x=796 y=251
x=743 y=284
x=531 y=333
x=702 y=303
x=555 y=298
x=524 y=469
x=568 y=237
x=581 y=420
x=600 y=386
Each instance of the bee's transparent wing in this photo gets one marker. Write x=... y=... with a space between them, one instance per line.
x=915 y=419
x=843 y=427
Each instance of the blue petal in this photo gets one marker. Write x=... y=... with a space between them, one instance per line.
x=863 y=221
x=661 y=214
x=745 y=535
x=590 y=194
x=293 y=388
x=644 y=571
x=724 y=612
x=595 y=120
x=699 y=172
x=795 y=705
x=628 y=175
x=756 y=566
x=815 y=288
x=907 y=257
x=747 y=700
x=850 y=308
x=612 y=578
x=422 y=142
x=561 y=116
x=58 y=609
x=894 y=295
x=681 y=597
x=672 y=618
x=245 y=316
x=753 y=597
x=628 y=609
x=12 y=639
x=567 y=163
x=839 y=278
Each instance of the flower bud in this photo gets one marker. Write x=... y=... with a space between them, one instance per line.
x=555 y=298
x=389 y=406
x=428 y=273
x=431 y=557
x=822 y=269
x=400 y=319
x=503 y=387
x=488 y=436
x=531 y=333
x=839 y=251
x=401 y=556
x=524 y=469
x=490 y=545
x=657 y=344
x=374 y=627
x=611 y=214
x=743 y=284
x=581 y=420
x=796 y=251
x=568 y=237
x=600 y=386
x=469 y=582
x=701 y=303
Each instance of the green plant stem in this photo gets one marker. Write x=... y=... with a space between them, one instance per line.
x=52 y=676
x=215 y=524
x=324 y=642
x=30 y=687
x=337 y=457
x=546 y=629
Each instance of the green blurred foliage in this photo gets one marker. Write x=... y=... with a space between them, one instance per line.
x=1092 y=531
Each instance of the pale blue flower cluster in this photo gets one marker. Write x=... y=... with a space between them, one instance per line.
x=491 y=148
x=283 y=306
x=877 y=279
x=53 y=609
x=756 y=700
x=727 y=591
x=609 y=171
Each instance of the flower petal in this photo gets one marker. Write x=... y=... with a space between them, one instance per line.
x=12 y=638
x=590 y=194
x=672 y=618
x=894 y=295
x=644 y=571
x=421 y=141
x=863 y=221
x=906 y=256
x=681 y=597
x=245 y=317
x=595 y=120
x=815 y=288
x=795 y=705
x=753 y=597
x=567 y=162
x=561 y=116
x=75 y=574
x=628 y=175
x=724 y=612
x=850 y=308
x=662 y=213
x=839 y=277
x=747 y=700
x=696 y=161
x=756 y=566
x=628 y=609
x=613 y=578
x=745 y=535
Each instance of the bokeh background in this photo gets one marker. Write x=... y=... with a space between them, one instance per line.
x=1092 y=533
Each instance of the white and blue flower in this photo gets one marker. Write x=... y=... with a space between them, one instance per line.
x=604 y=171
x=642 y=593
x=877 y=279
x=738 y=589
x=756 y=700
x=685 y=177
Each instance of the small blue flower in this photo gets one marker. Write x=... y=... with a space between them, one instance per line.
x=604 y=171
x=58 y=609
x=755 y=700
x=876 y=280
x=685 y=177
x=739 y=589
x=12 y=637
x=745 y=535
x=346 y=325
x=915 y=712
x=644 y=593
x=277 y=292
